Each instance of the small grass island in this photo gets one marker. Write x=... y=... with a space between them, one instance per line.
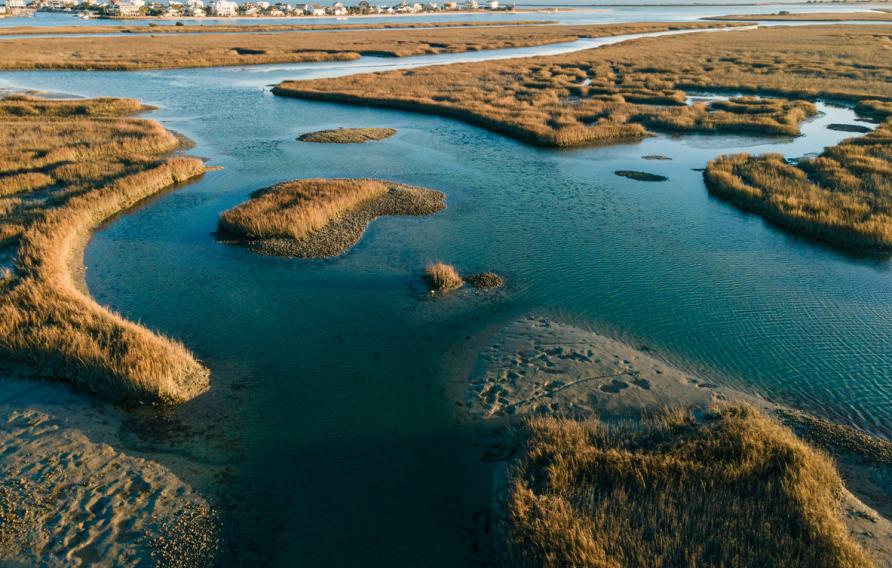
x=320 y=218
x=347 y=135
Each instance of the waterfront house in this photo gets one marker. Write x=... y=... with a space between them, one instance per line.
x=223 y=8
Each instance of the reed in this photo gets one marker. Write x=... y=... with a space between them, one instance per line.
x=442 y=277
x=99 y=165
x=731 y=488
x=169 y=50
x=624 y=91
x=844 y=196
x=298 y=208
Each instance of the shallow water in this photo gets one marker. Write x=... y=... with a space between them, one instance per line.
x=332 y=426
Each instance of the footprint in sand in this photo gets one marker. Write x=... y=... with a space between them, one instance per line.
x=641 y=383
x=614 y=386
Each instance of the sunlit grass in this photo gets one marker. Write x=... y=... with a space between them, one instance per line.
x=71 y=165
x=732 y=488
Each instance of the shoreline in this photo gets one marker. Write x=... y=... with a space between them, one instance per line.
x=522 y=368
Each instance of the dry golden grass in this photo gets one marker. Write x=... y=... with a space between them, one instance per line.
x=784 y=16
x=442 y=277
x=731 y=489
x=206 y=50
x=347 y=135
x=618 y=92
x=298 y=208
x=91 y=163
x=844 y=196
x=168 y=28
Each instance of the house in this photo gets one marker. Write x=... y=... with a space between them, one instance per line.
x=492 y=4
x=223 y=8
x=337 y=9
x=314 y=10
x=450 y=5
x=470 y=5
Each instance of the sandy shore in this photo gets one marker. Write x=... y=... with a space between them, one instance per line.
x=537 y=365
x=69 y=496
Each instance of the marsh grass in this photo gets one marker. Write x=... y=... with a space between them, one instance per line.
x=731 y=488
x=169 y=50
x=442 y=277
x=88 y=162
x=844 y=196
x=298 y=208
x=624 y=91
x=347 y=135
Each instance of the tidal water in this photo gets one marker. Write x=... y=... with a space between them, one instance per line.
x=331 y=434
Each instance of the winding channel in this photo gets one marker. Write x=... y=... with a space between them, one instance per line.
x=331 y=434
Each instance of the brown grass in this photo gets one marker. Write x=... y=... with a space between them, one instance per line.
x=298 y=208
x=442 y=277
x=207 y=50
x=621 y=91
x=784 y=16
x=320 y=218
x=91 y=163
x=347 y=135
x=731 y=489
x=844 y=196
x=168 y=28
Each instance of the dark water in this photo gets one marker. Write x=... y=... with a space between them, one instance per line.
x=331 y=434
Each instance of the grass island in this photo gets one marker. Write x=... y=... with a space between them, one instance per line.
x=320 y=218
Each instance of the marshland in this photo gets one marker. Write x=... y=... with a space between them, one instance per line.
x=336 y=428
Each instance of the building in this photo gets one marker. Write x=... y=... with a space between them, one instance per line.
x=470 y=5
x=492 y=4
x=223 y=8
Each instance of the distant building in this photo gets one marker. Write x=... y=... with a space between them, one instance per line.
x=12 y=5
x=470 y=5
x=493 y=4
x=223 y=8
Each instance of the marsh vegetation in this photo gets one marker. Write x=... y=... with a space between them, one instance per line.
x=442 y=277
x=729 y=488
x=625 y=91
x=347 y=135
x=65 y=167
x=317 y=218
x=843 y=196
x=167 y=51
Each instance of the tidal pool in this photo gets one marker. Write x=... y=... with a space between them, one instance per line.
x=332 y=434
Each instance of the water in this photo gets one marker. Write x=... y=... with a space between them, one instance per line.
x=330 y=435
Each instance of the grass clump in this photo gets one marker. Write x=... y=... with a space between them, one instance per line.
x=90 y=162
x=626 y=91
x=732 y=488
x=320 y=217
x=347 y=135
x=844 y=196
x=442 y=277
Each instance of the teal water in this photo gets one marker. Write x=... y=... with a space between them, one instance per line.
x=331 y=427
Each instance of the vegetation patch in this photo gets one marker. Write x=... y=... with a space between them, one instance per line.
x=485 y=281
x=626 y=91
x=347 y=135
x=177 y=50
x=82 y=162
x=442 y=277
x=730 y=488
x=640 y=176
x=844 y=196
x=849 y=128
x=320 y=218
x=655 y=157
